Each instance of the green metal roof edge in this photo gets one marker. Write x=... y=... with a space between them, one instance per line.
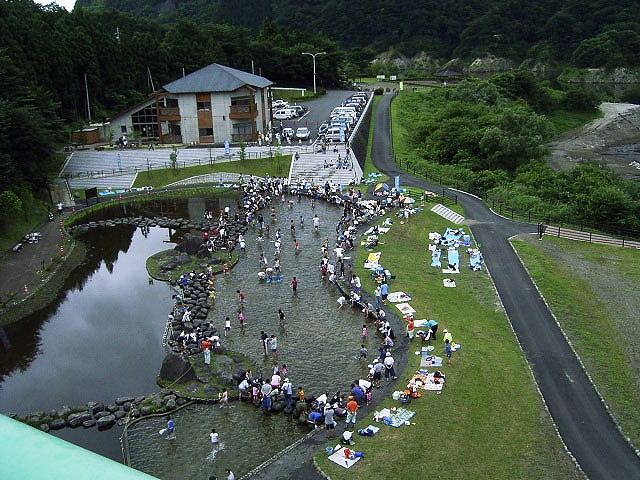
x=28 y=453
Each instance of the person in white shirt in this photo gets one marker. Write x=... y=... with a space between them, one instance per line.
x=389 y=370
x=215 y=440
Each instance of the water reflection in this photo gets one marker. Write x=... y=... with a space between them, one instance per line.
x=79 y=348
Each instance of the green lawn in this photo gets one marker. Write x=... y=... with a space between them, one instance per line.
x=593 y=291
x=401 y=147
x=369 y=166
x=564 y=121
x=490 y=421
x=293 y=96
x=272 y=166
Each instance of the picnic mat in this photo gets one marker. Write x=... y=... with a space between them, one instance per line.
x=430 y=361
x=374 y=257
x=453 y=256
x=396 y=297
x=405 y=308
x=338 y=457
x=435 y=259
x=426 y=381
x=401 y=416
x=420 y=323
x=373 y=428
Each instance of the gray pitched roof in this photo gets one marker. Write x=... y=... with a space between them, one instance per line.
x=215 y=78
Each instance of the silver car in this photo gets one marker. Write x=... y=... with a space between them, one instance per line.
x=303 y=133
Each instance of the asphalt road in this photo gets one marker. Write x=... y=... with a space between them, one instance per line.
x=319 y=110
x=583 y=421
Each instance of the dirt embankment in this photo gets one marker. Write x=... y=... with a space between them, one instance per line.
x=613 y=139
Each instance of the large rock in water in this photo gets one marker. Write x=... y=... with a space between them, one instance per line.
x=190 y=244
x=176 y=367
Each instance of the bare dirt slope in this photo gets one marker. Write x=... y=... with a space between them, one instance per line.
x=613 y=139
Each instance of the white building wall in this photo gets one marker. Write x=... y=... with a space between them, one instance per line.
x=220 y=103
x=188 y=118
x=123 y=120
x=258 y=99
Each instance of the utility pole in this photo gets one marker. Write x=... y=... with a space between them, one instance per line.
x=314 y=55
x=86 y=89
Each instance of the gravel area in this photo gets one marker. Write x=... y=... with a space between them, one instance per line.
x=612 y=139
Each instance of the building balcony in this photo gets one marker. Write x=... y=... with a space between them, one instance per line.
x=168 y=113
x=243 y=111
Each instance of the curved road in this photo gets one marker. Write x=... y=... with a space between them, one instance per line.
x=583 y=421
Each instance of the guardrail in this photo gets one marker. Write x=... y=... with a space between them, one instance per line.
x=580 y=235
x=182 y=162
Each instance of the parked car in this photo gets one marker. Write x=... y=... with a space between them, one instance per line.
x=348 y=119
x=335 y=134
x=287 y=132
x=301 y=109
x=355 y=105
x=303 y=133
x=340 y=124
x=342 y=110
x=323 y=128
x=279 y=104
x=361 y=97
x=283 y=114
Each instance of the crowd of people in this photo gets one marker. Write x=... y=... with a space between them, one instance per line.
x=275 y=391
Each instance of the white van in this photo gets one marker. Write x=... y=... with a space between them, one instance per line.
x=348 y=119
x=344 y=110
x=284 y=114
x=333 y=134
x=360 y=97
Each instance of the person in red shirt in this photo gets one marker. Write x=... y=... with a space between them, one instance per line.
x=240 y=296
x=206 y=347
x=410 y=326
x=352 y=410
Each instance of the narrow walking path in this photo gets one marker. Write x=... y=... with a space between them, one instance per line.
x=584 y=423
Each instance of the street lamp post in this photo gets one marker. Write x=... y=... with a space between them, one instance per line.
x=314 y=55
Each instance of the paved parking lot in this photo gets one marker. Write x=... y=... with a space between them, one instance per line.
x=319 y=110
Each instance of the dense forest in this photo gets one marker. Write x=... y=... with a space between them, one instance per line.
x=51 y=58
x=46 y=53
x=487 y=137
x=587 y=33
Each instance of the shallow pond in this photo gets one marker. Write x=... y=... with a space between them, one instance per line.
x=110 y=317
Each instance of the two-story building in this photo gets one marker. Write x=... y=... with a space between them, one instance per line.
x=210 y=105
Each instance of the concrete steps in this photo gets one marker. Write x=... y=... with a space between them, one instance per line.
x=117 y=182
x=447 y=213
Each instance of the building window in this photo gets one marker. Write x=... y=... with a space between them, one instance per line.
x=145 y=121
x=244 y=100
x=205 y=132
x=169 y=102
x=123 y=129
x=204 y=106
x=243 y=128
